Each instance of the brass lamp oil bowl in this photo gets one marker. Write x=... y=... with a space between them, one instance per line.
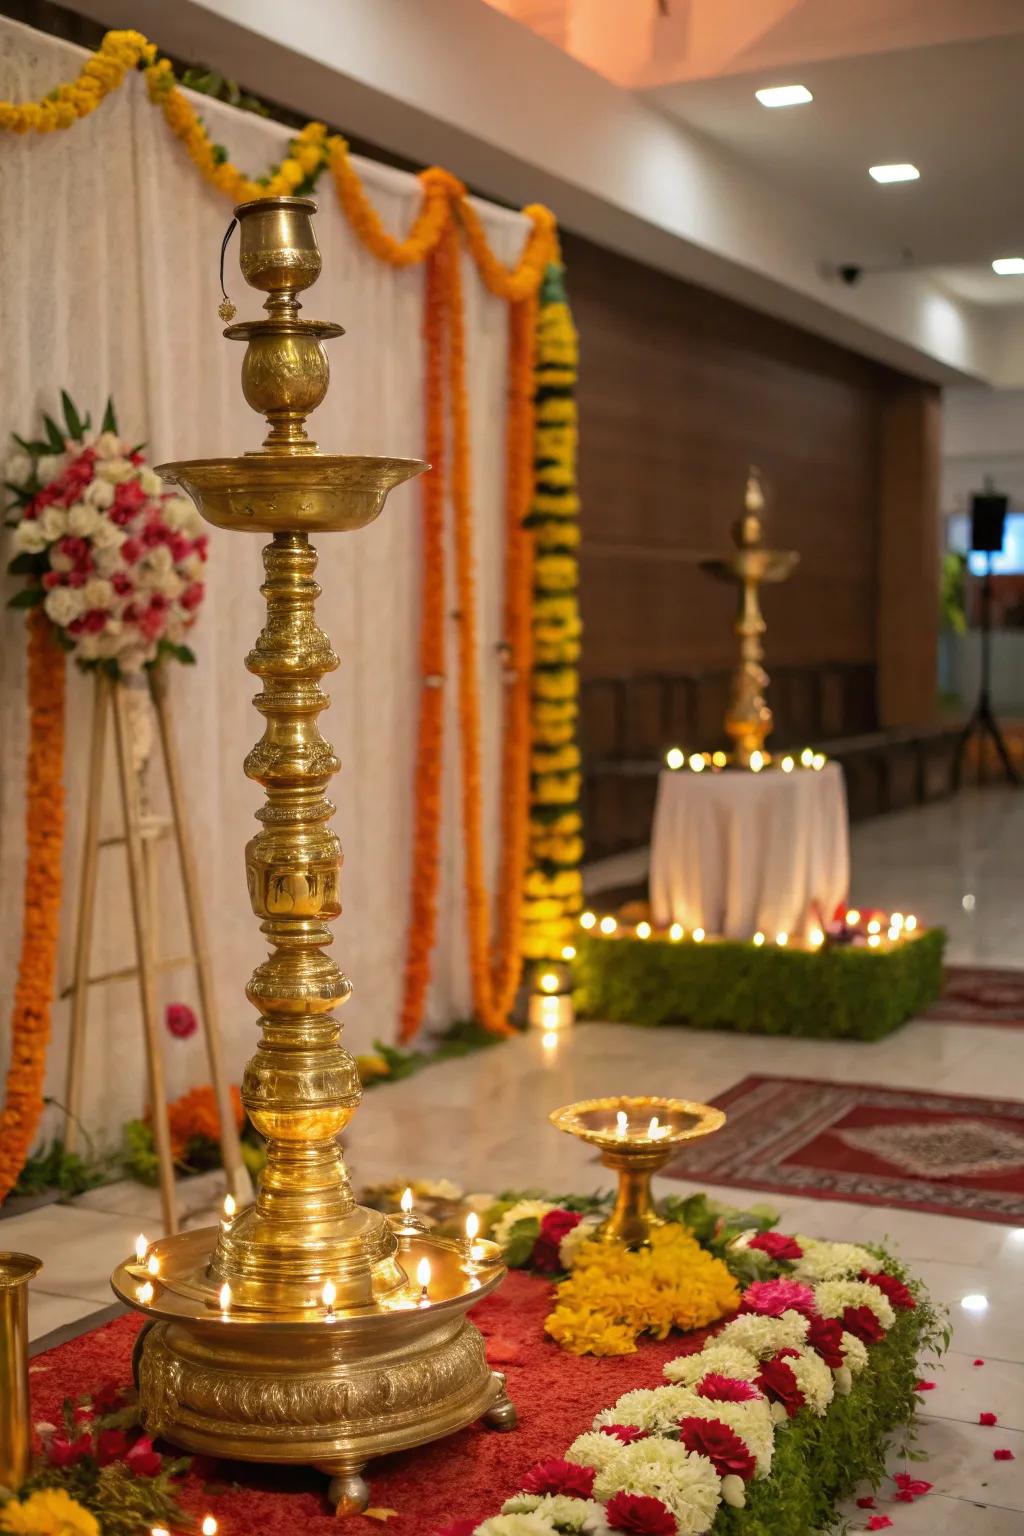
x=304 y=1328
x=636 y=1137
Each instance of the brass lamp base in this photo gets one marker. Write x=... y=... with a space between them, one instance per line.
x=305 y=1387
x=636 y=1137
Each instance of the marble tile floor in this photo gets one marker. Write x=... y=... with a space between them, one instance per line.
x=481 y=1120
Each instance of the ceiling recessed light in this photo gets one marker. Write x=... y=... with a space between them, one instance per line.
x=885 y=173
x=784 y=96
x=1009 y=266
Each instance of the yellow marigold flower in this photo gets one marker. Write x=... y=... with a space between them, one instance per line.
x=557 y=789
x=563 y=758
x=50 y=1512
x=549 y=713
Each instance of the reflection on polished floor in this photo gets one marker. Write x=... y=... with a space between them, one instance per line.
x=482 y=1121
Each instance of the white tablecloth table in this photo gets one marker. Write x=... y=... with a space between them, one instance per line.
x=736 y=852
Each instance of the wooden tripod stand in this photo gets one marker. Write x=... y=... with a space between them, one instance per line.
x=140 y=837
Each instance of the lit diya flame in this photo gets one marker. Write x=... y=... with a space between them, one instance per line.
x=224 y=1297
x=146 y=1293
x=423 y=1278
x=621 y=1124
x=472 y=1227
x=209 y=1526
x=406 y=1201
x=141 y=1247
x=328 y=1294
x=153 y=1264
x=229 y=1210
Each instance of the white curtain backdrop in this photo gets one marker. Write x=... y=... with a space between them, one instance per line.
x=110 y=243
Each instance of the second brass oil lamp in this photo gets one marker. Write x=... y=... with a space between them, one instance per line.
x=304 y=1329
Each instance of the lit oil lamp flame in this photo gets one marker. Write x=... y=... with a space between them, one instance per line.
x=146 y=1293
x=224 y=1297
x=229 y=1210
x=153 y=1264
x=406 y=1200
x=621 y=1124
x=653 y=1130
x=472 y=1227
x=423 y=1279
x=141 y=1247
x=327 y=1296
x=209 y=1526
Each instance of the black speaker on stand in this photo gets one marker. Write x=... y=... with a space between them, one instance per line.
x=988 y=529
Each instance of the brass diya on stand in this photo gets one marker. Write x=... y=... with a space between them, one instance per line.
x=636 y=1138
x=748 y=719
x=304 y=1329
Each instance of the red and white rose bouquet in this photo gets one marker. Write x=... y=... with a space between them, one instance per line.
x=114 y=558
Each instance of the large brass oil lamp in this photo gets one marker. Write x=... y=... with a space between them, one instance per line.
x=748 y=719
x=303 y=1329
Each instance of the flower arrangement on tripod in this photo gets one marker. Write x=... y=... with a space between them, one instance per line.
x=114 y=560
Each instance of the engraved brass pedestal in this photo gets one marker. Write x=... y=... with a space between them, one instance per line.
x=303 y=1329
x=748 y=719
x=636 y=1137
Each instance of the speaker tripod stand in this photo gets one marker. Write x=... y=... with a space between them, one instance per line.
x=983 y=722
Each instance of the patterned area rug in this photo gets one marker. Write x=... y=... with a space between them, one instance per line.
x=944 y=1153
x=978 y=995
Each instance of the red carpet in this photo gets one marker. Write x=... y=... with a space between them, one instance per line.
x=978 y=995
x=468 y=1475
x=938 y=1152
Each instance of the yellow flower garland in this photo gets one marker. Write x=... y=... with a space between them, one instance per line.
x=102 y=73
x=614 y=1294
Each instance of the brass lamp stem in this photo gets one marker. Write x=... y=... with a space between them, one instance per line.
x=16 y=1270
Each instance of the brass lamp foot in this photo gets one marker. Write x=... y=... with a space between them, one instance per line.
x=502 y=1415
x=348 y=1492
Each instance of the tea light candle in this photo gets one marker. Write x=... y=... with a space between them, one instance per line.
x=423 y=1280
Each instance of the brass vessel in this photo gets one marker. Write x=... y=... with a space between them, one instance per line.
x=302 y=1329
x=748 y=719
x=636 y=1136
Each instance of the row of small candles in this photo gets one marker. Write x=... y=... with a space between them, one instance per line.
x=408 y=1224
x=896 y=926
x=676 y=758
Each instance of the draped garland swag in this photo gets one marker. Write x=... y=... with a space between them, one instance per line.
x=446 y=221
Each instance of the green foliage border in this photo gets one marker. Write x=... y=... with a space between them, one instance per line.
x=837 y=992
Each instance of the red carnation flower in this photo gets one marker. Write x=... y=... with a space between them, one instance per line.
x=910 y=1488
x=62 y=1452
x=566 y=1477
x=896 y=1291
x=825 y=1335
x=143 y=1460
x=987 y=1418
x=721 y=1445
x=111 y=1445
x=777 y=1246
x=554 y=1226
x=640 y=1515
x=863 y=1324
x=725 y=1389
x=180 y=1020
x=627 y=1433
x=770 y=1298
x=777 y=1382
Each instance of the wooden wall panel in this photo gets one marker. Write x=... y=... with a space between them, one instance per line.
x=679 y=392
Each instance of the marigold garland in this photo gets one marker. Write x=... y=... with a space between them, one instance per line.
x=101 y=74
x=44 y=839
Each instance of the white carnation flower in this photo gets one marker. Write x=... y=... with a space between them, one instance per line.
x=832 y=1297
x=88 y=647
x=84 y=519
x=49 y=466
x=99 y=493
x=192 y=566
x=585 y=1516
x=54 y=523
x=652 y=1408
x=665 y=1470
x=516 y=1525
x=18 y=467
x=814 y=1379
x=109 y=446
x=159 y=560
x=571 y=1243
x=719 y=1358
x=844 y=1380
x=63 y=604
x=855 y=1353
x=150 y=481
x=765 y=1336
x=170 y=585
x=98 y=593
x=832 y=1261
x=115 y=471
x=180 y=514
x=29 y=538
x=593 y=1449
x=521 y=1211
x=107 y=535
x=108 y=561
x=734 y=1491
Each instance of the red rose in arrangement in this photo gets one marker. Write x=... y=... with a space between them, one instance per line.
x=825 y=1335
x=627 y=1433
x=721 y=1445
x=143 y=1460
x=639 y=1515
x=62 y=1452
x=566 y=1477
x=863 y=1324
x=725 y=1389
x=896 y=1291
x=554 y=1226
x=777 y=1382
x=773 y=1297
x=777 y=1245
x=111 y=1445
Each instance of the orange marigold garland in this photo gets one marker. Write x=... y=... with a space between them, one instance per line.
x=439 y=187
x=44 y=841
